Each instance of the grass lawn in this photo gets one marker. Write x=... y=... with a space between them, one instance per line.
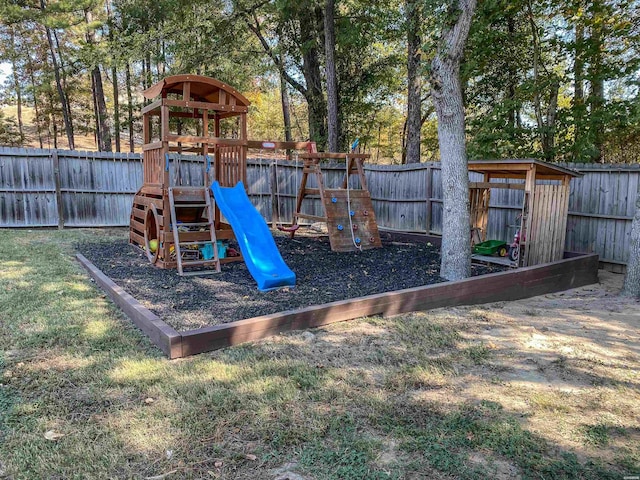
x=460 y=393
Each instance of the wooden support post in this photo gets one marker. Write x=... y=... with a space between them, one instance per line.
x=146 y=129
x=360 y=168
x=273 y=187
x=530 y=187
x=164 y=120
x=56 y=177
x=186 y=91
x=242 y=154
x=429 y=190
x=205 y=146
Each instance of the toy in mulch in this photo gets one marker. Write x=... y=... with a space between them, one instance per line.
x=153 y=245
x=491 y=247
x=207 y=253
x=190 y=252
x=516 y=247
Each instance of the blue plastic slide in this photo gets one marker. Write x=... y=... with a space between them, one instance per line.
x=254 y=237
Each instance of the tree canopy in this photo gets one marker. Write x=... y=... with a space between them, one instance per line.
x=556 y=80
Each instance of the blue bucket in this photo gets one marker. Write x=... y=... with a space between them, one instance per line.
x=207 y=250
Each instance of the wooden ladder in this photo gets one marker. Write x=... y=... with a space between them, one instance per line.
x=193 y=197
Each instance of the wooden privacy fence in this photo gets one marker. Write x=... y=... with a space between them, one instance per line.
x=61 y=188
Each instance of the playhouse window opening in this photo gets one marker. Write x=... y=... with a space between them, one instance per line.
x=230 y=127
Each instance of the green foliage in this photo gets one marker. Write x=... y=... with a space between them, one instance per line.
x=512 y=110
x=587 y=49
x=9 y=133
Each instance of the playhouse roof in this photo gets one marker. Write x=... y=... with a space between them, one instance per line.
x=518 y=168
x=201 y=89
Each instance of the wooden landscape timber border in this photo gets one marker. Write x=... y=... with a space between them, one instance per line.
x=575 y=270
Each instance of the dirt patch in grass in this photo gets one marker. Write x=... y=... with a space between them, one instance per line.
x=322 y=276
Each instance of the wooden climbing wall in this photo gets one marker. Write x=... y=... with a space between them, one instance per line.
x=363 y=221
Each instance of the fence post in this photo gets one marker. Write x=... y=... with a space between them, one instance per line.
x=272 y=187
x=56 y=178
x=429 y=193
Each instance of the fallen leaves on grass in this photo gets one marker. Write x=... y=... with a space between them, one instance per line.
x=52 y=435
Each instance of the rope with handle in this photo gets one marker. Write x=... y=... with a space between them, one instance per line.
x=358 y=246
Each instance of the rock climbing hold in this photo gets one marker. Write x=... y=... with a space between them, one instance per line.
x=365 y=213
x=352 y=213
x=340 y=228
x=334 y=200
x=357 y=240
x=355 y=227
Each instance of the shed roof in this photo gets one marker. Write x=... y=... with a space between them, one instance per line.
x=510 y=168
x=202 y=88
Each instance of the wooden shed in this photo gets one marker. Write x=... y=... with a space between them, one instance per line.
x=543 y=220
x=185 y=117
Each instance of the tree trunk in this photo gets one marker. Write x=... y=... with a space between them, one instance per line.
x=16 y=83
x=513 y=80
x=286 y=115
x=68 y=127
x=546 y=126
x=578 y=92
x=596 y=80
x=114 y=81
x=149 y=73
x=97 y=137
x=103 y=131
x=414 y=92
x=116 y=107
x=549 y=138
x=446 y=92
x=332 y=81
x=129 y=108
x=101 y=111
x=312 y=92
x=632 y=279
x=52 y=128
x=35 y=101
x=403 y=150
x=596 y=103
x=63 y=76
x=312 y=75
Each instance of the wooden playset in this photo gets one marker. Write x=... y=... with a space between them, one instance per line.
x=178 y=224
x=542 y=223
x=181 y=218
x=348 y=210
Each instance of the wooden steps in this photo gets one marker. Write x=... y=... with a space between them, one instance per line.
x=193 y=198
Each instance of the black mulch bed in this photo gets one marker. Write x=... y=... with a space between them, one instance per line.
x=322 y=276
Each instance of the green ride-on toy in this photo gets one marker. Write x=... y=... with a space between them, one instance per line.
x=491 y=247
